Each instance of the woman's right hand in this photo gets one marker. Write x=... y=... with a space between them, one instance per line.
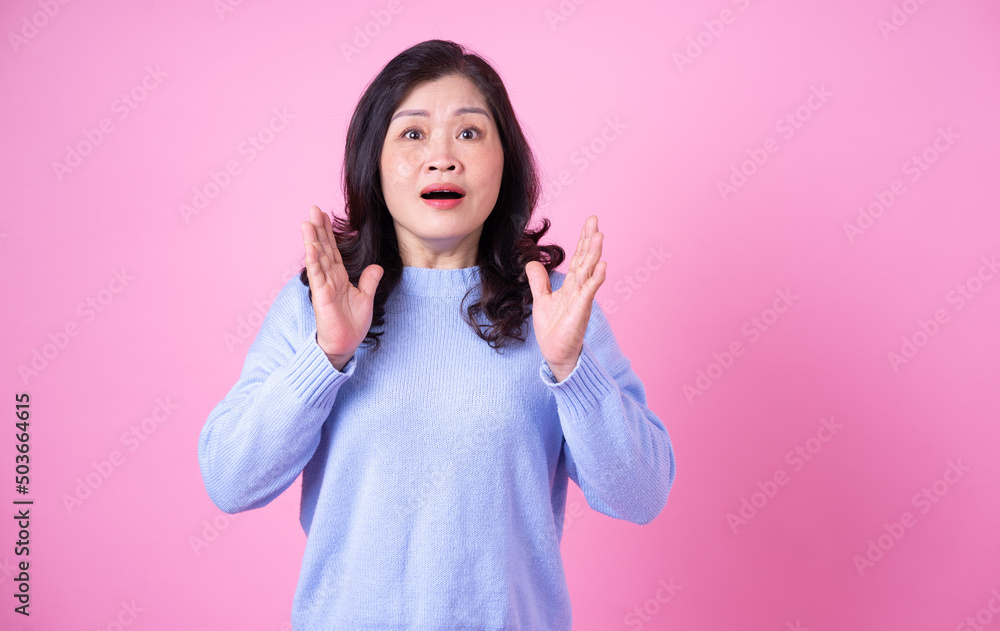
x=343 y=311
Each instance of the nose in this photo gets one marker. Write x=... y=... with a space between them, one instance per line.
x=441 y=157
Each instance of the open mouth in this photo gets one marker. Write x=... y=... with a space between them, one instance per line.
x=442 y=195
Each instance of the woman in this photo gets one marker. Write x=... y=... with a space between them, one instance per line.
x=434 y=435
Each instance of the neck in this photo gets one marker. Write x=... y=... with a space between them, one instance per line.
x=428 y=281
x=442 y=253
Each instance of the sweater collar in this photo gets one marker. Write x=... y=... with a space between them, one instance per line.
x=426 y=281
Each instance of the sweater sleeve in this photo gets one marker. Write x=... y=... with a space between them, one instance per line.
x=617 y=450
x=257 y=440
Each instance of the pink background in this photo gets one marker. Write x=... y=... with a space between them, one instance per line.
x=654 y=183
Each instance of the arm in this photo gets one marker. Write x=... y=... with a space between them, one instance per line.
x=617 y=450
x=257 y=440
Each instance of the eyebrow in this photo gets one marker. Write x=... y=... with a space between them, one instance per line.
x=461 y=110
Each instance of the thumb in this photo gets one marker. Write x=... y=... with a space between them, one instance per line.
x=538 y=279
x=368 y=282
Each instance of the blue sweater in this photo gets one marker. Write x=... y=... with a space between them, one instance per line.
x=434 y=470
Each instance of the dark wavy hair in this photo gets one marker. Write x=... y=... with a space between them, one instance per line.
x=367 y=234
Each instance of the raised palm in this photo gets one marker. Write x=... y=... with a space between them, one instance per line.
x=560 y=317
x=343 y=311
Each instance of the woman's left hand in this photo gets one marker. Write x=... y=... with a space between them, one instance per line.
x=560 y=317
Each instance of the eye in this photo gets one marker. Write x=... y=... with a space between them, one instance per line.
x=473 y=130
x=469 y=133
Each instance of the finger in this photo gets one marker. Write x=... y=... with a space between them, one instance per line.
x=315 y=221
x=313 y=271
x=315 y=216
x=368 y=281
x=332 y=240
x=538 y=279
x=308 y=235
x=329 y=257
x=589 y=228
x=586 y=270
x=593 y=253
x=590 y=225
x=574 y=261
x=588 y=290
x=595 y=281
x=322 y=234
x=582 y=243
x=577 y=274
x=329 y=241
x=304 y=228
x=321 y=262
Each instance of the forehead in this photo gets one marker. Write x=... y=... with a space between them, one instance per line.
x=446 y=96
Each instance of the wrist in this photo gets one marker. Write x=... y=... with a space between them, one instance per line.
x=337 y=359
x=560 y=372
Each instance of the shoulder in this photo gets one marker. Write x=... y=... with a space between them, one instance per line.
x=290 y=307
x=293 y=293
x=294 y=288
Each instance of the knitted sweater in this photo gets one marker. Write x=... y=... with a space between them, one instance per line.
x=434 y=470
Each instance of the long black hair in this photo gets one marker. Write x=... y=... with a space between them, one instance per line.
x=367 y=234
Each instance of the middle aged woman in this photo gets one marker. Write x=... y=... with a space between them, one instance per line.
x=435 y=436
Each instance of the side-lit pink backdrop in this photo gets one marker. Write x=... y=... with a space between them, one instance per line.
x=800 y=209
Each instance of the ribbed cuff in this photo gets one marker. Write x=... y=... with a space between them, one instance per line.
x=583 y=389
x=313 y=378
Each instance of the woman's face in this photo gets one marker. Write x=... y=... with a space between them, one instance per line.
x=441 y=134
